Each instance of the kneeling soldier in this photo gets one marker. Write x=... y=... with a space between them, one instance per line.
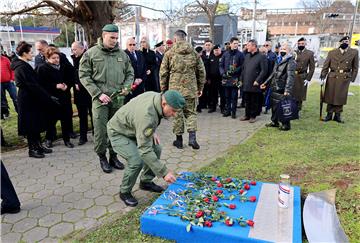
x=132 y=134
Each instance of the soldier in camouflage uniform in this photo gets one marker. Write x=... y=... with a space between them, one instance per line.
x=183 y=70
x=107 y=74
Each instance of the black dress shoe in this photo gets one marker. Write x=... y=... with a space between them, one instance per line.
x=328 y=117
x=115 y=162
x=150 y=186
x=10 y=210
x=104 y=164
x=48 y=143
x=128 y=199
x=43 y=149
x=233 y=116
x=82 y=141
x=69 y=144
x=284 y=128
x=272 y=124
x=35 y=154
x=226 y=114
x=73 y=135
x=211 y=110
x=337 y=118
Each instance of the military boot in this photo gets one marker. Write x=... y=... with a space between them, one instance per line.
x=115 y=162
x=104 y=164
x=337 y=117
x=192 y=140
x=328 y=117
x=43 y=149
x=34 y=152
x=178 y=142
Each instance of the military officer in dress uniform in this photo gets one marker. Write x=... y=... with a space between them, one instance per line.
x=132 y=135
x=305 y=67
x=341 y=67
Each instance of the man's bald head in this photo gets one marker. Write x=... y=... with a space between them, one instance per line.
x=77 y=48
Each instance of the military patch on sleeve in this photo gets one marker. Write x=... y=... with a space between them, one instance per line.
x=148 y=131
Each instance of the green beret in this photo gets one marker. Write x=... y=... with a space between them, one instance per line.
x=174 y=99
x=110 y=28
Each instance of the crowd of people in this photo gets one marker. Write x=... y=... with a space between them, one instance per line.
x=178 y=80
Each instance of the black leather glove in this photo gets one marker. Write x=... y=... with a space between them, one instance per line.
x=55 y=100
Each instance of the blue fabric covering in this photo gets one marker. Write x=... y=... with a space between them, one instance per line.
x=173 y=228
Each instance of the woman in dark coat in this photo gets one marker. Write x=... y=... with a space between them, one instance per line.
x=52 y=79
x=32 y=119
x=281 y=83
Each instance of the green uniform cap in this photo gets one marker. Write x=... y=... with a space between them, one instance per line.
x=174 y=99
x=110 y=28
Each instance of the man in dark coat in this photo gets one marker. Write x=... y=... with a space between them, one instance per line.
x=341 y=67
x=139 y=66
x=159 y=54
x=82 y=98
x=253 y=75
x=214 y=79
x=230 y=69
x=305 y=67
x=150 y=62
x=205 y=56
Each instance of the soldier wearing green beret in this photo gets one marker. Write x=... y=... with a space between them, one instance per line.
x=107 y=74
x=132 y=134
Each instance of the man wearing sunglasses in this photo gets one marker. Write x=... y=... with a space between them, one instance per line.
x=305 y=67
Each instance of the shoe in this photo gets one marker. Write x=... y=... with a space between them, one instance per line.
x=192 y=140
x=73 y=135
x=252 y=120
x=328 y=117
x=48 y=143
x=36 y=154
x=226 y=114
x=272 y=124
x=198 y=109
x=211 y=110
x=128 y=199
x=69 y=144
x=222 y=110
x=284 y=128
x=244 y=118
x=10 y=210
x=82 y=141
x=233 y=116
x=151 y=186
x=115 y=162
x=266 y=111
x=178 y=142
x=337 y=117
x=104 y=164
x=43 y=149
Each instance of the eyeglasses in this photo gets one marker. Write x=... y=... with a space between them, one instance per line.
x=266 y=45
x=132 y=44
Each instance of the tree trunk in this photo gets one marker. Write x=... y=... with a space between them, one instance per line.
x=101 y=14
x=212 y=27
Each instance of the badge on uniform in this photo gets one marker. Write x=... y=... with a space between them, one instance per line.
x=148 y=131
x=119 y=59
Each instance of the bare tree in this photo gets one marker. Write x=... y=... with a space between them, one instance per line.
x=91 y=15
x=316 y=11
x=209 y=8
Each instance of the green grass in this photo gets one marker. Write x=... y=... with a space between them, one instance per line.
x=317 y=155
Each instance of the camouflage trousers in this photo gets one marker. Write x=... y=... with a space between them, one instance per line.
x=186 y=116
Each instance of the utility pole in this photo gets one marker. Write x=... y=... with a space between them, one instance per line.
x=137 y=24
x=253 y=34
x=354 y=19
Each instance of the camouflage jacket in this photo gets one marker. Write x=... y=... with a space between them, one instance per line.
x=182 y=70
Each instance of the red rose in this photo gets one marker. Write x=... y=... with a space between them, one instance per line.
x=252 y=198
x=219 y=192
x=133 y=86
x=253 y=183
x=208 y=223
x=213 y=178
x=199 y=214
x=232 y=206
x=228 y=222
x=246 y=187
x=219 y=185
x=241 y=191
x=206 y=199
x=250 y=222
x=222 y=212
x=215 y=198
x=228 y=180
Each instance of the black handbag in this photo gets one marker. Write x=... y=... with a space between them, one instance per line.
x=287 y=109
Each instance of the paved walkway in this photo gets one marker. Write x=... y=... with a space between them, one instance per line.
x=67 y=191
